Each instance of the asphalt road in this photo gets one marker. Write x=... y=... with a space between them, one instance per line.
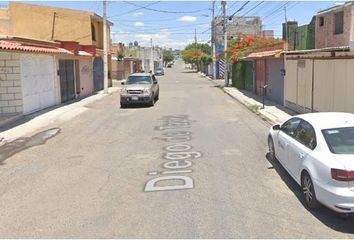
x=192 y=166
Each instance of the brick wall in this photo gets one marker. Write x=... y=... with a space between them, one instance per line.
x=10 y=83
x=325 y=36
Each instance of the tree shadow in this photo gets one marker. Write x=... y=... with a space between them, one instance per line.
x=334 y=220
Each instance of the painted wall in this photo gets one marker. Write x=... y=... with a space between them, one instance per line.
x=333 y=85
x=5 y=24
x=249 y=76
x=275 y=80
x=36 y=22
x=298 y=85
x=86 y=76
x=10 y=83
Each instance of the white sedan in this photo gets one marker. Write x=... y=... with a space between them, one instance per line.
x=317 y=150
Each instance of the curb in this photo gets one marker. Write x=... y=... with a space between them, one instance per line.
x=11 y=120
x=258 y=113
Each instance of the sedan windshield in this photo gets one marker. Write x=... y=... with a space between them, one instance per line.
x=340 y=140
x=139 y=80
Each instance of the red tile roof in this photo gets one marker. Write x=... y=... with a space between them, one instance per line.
x=19 y=46
x=265 y=54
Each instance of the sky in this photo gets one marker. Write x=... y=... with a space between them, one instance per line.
x=173 y=24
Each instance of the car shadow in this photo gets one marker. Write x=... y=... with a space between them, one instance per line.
x=335 y=221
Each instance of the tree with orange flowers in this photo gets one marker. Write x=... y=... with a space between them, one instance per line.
x=240 y=47
x=197 y=54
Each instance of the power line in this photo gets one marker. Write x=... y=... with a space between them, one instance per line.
x=165 y=11
x=252 y=8
x=140 y=7
x=240 y=9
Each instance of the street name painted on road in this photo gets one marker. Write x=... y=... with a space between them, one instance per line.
x=179 y=156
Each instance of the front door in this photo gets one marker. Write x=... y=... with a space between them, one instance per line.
x=67 y=80
x=285 y=137
x=98 y=73
x=305 y=137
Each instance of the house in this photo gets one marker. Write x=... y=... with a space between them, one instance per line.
x=37 y=74
x=121 y=69
x=320 y=80
x=58 y=24
x=305 y=36
x=334 y=26
x=267 y=72
x=289 y=33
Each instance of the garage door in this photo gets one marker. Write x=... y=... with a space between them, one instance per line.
x=37 y=77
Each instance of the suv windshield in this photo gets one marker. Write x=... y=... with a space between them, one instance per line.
x=340 y=140
x=139 y=80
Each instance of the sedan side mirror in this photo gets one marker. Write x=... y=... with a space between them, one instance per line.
x=123 y=82
x=276 y=127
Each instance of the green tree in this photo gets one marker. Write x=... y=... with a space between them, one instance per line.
x=197 y=54
x=204 y=47
x=167 y=57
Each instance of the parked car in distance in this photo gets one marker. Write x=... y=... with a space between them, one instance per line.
x=169 y=65
x=139 y=88
x=317 y=150
x=159 y=72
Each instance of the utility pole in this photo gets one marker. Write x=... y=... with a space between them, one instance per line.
x=286 y=30
x=105 y=52
x=285 y=47
x=53 y=26
x=152 y=57
x=213 y=47
x=195 y=37
x=226 y=75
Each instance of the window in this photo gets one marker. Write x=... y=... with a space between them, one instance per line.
x=338 y=22
x=290 y=126
x=340 y=140
x=93 y=32
x=306 y=135
x=138 y=80
x=321 y=21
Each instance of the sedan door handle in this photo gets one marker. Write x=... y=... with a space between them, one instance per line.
x=301 y=155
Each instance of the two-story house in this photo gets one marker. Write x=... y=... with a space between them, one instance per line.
x=334 y=26
x=59 y=24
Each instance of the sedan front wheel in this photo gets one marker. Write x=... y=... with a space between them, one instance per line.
x=271 y=149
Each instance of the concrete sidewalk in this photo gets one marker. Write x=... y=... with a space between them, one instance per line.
x=272 y=112
x=30 y=123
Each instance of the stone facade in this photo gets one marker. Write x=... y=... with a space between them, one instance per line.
x=10 y=83
x=325 y=25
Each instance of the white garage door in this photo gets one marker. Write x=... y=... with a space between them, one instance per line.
x=37 y=77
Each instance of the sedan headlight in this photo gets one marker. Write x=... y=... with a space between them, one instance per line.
x=147 y=91
x=124 y=91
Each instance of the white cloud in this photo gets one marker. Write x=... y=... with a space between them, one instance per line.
x=138 y=14
x=139 y=24
x=187 y=19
